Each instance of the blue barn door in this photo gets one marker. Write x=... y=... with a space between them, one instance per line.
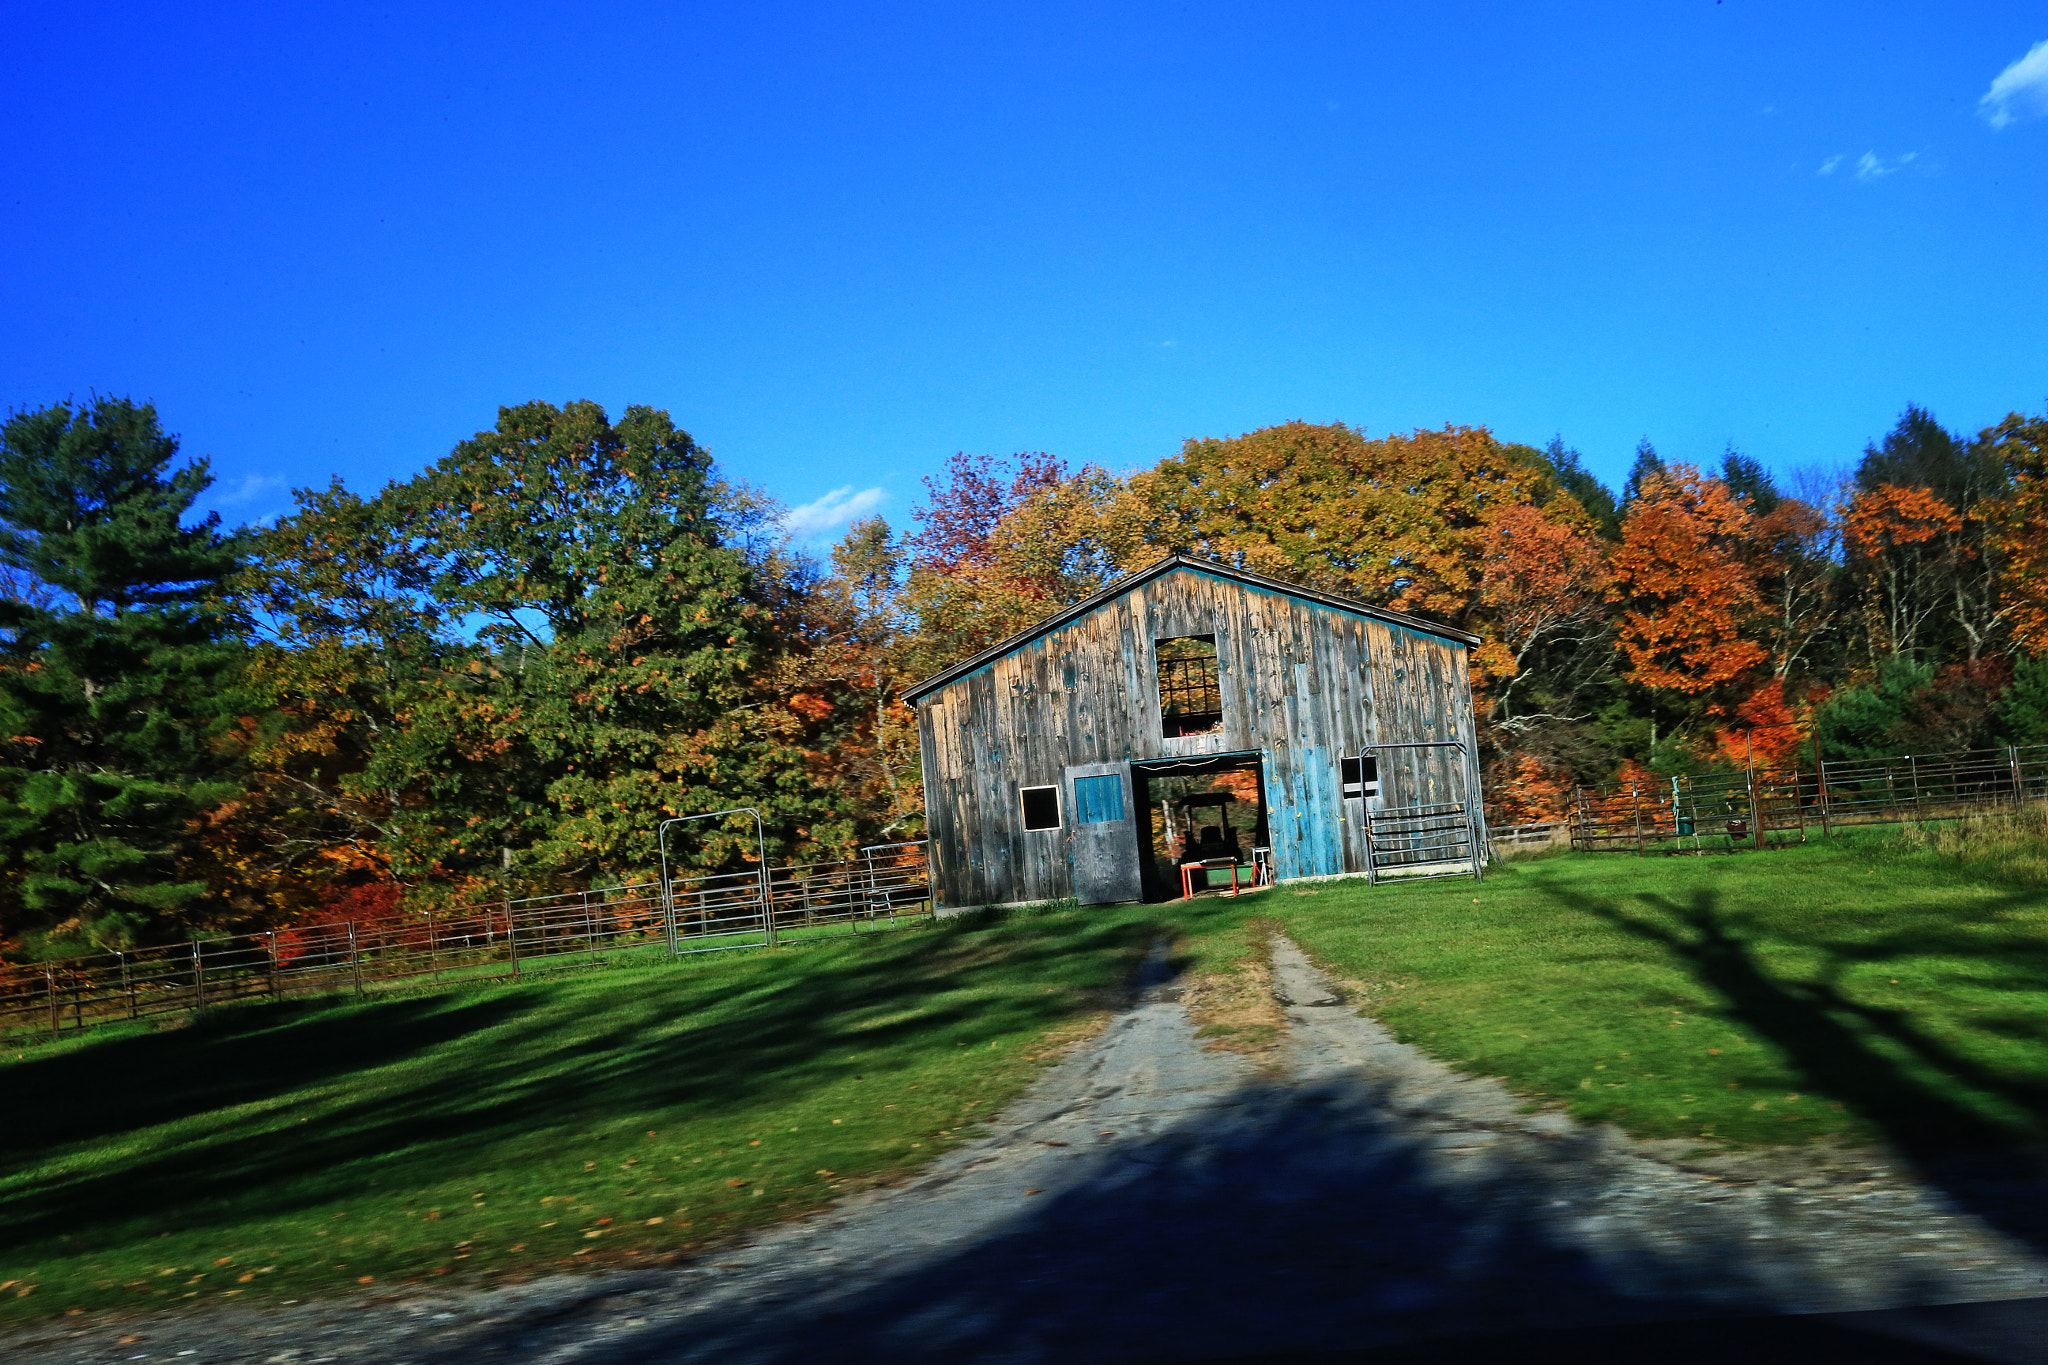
x=1102 y=842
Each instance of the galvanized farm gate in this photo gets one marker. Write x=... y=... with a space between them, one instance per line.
x=1418 y=840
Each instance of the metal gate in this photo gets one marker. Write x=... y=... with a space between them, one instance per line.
x=1425 y=839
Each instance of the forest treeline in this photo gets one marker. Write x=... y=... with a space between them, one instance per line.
x=503 y=673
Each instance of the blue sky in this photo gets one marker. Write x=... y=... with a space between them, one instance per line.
x=839 y=243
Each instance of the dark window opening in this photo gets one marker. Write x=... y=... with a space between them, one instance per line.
x=1189 y=700
x=1361 y=777
x=1041 y=807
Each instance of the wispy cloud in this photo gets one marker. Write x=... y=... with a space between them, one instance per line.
x=2020 y=91
x=1870 y=165
x=250 y=488
x=838 y=508
x=1828 y=167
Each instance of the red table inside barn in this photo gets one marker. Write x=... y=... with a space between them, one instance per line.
x=1205 y=866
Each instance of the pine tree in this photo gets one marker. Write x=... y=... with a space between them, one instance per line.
x=112 y=678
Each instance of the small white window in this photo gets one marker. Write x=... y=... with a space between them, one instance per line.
x=1041 y=807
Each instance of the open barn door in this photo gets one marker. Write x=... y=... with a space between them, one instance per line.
x=1102 y=844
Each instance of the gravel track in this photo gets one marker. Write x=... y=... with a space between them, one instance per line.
x=1150 y=1200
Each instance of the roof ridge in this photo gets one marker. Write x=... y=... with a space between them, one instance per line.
x=1176 y=559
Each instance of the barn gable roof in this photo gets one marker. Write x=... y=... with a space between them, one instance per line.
x=1159 y=568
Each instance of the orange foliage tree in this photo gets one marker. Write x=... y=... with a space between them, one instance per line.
x=1540 y=578
x=1690 y=597
x=2020 y=526
x=1901 y=547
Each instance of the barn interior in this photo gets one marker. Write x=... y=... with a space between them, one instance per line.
x=1197 y=808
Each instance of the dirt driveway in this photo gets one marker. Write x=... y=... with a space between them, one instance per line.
x=1150 y=1200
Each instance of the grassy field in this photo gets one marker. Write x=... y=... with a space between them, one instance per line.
x=1893 y=987
x=585 y=1116
x=1882 y=986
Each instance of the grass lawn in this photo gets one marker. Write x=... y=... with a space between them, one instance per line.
x=597 y=1115
x=1865 y=988
x=604 y=1115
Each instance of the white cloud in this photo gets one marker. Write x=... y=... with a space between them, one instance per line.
x=250 y=488
x=840 y=507
x=1871 y=166
x=2020 y=91
x=1828 y=167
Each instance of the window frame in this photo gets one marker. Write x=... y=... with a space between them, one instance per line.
x=1167 y=723
x=1367 y=782
x=1059 y=812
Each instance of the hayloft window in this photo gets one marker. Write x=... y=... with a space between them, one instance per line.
x=1041 y=807
x=1189 y=701
x=1361 y=777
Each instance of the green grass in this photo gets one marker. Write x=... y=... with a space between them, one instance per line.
x=585 y=1116
x=1894 y=986
x=1854 y=990
x=288 y=1150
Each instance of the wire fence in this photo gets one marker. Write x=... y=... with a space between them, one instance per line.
x=702 y=913
x=1768 y=807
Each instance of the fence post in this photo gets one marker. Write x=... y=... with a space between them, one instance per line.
x=50 y=979
x=433 y=948
x=1372 y=861
x=2012 y=754
x=198 y=975
x=767 y=905
x=512 y=937
x=355 y=957
x=270 y=971
x=127 y=985
x=589 y=927
x=1635 y=802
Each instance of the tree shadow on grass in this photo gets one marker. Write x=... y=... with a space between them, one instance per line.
x=408 y=1093
x=1989 y=1163
x=1281 y=1222
x=236 y=1055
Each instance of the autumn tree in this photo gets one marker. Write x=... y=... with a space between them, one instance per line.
x=1921 y=543
x=1902 y=543
x=351 y=643
x=115 y=676
x=2019 y=525
x=857 y=662
x=1544 y=585
x=1000 y=544
x=1397 y=520
x=1689 y=598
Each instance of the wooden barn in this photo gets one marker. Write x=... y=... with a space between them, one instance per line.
x=1194 y=724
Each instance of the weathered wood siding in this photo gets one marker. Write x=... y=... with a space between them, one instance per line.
x=1302 y=684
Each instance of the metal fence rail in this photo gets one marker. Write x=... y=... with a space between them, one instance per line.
x=1538 y=835
x=1405 y=843
x=692 y=914
x=1767 y=807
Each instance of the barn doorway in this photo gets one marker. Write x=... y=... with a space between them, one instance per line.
x=1195 y=808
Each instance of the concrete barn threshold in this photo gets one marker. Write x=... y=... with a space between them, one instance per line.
x=1151 y=1199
